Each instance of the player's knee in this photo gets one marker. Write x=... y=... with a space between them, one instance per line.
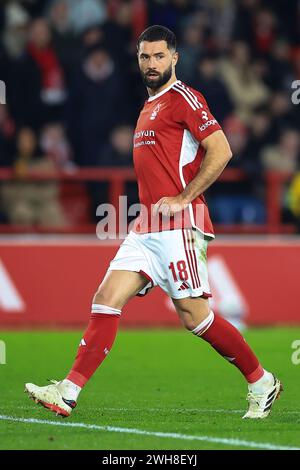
x=190 y=321
x=104 y=297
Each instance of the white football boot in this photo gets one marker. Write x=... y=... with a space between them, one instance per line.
x=51 y=397
x=260 y=404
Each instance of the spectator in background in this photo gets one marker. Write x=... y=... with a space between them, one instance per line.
x=34 y=7
x=237 y=133
x=129 y=13
x=31 y=203
x=293 y=199
x=170 y=13
x=206 y=78
x=64 y=40
x=15 y=31
x=118 y=151
x=97 y=102
x=281 y=72
x=127 y=19
x=7 y=133
x=54 y=144
x=18 y=70
x=85 y=13
x=66 y=76
x=190 y=48
x=264 y=31
x=281 y=113
x=247 y=91
x=53 y=88
x=238 y=202
x=116 y=33
x=91 y=36
x=284 y=155
x=244 y=19
x=221 y=19
x=259 y=136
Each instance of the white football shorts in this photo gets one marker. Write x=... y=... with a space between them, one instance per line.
x=174 y=260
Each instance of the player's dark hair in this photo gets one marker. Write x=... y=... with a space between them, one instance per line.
x=158 y=33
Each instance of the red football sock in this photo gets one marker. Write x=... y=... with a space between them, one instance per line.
x=229 y=342
x=95 y=344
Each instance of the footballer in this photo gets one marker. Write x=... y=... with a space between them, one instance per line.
x=179 y=150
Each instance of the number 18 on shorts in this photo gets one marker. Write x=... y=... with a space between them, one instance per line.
x=174 y=260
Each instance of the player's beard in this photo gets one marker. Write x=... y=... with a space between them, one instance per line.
x=159 y=81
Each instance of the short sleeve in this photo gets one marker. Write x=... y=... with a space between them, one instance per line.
x=192 y=111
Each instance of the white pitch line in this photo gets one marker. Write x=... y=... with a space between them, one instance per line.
x=171 y=435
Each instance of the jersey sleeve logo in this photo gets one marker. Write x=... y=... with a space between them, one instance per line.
x=211 y=122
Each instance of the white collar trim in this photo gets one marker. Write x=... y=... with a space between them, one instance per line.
x=151 y=98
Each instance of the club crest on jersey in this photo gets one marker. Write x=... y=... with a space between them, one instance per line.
x=155 y=111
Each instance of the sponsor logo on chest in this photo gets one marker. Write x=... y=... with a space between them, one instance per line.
x=140 y=137
x=144 y=133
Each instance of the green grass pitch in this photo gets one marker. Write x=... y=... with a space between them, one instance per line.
x=160 y=381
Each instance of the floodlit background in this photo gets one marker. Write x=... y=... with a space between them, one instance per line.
x=70 y=95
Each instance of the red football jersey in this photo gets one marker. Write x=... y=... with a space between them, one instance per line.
x=167 y=154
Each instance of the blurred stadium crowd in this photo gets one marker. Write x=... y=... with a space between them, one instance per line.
x=73 y=92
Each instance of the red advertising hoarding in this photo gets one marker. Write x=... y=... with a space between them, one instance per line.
x=51 y=283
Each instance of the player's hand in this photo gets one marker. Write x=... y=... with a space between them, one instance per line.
x=168 y=206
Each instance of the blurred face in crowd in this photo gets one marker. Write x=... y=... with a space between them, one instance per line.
x=260 y=124
x=60 y=13
x=280 y=104
x=208 y=68
x=51 y=136
x=156 y=63
x=124 y=14
x=236 y=133
x=92 y=36
x=264 y=21
x=26 y=142
x=40 y=34
x=15 y=39
x=193 y=35
x=240 y=53
x=249 y=3
x=281 y=50
x=98 y=65
x=121 y=139
x=290 y=142
x=98 y=59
